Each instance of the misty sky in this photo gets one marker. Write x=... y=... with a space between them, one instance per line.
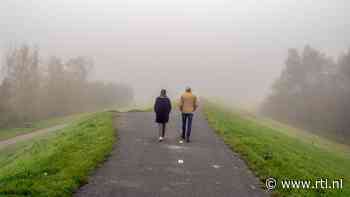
x=228 y=48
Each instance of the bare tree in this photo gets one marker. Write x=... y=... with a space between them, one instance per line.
x=30 y=90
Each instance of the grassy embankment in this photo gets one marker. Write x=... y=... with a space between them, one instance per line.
x=57 y=164
x=275 y=150
x=7 y=133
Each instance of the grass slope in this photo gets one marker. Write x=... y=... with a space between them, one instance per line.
x=272 y=150
x=59 y=164
x=7 y=133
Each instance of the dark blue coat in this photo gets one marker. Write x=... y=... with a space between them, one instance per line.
x=162 y=107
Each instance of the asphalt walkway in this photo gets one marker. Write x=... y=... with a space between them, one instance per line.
x=141 y=166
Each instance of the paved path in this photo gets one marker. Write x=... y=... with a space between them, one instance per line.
x=30 y=135
x=141 y=166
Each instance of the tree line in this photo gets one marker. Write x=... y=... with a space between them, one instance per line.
x=313 y=92
x=31 y=89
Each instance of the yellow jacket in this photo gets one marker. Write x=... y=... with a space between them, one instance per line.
x=188 y=102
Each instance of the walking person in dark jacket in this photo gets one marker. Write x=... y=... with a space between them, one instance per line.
x=162 y=107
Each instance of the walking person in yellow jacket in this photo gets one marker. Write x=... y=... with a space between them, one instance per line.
x=188 y=104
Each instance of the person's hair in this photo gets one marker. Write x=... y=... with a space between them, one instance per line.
x=163 y=92
x=188 y=89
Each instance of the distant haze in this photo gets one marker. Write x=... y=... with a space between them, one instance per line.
x=230 y=49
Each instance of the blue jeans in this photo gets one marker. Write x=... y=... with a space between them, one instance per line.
x=186 y=124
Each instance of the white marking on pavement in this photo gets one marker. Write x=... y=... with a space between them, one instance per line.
x=175 y=147
x=216 y=166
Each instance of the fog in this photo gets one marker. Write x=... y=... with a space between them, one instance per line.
x=229 y=49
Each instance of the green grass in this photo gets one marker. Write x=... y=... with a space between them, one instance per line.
x=134 y=108
x=141 y=110
x=57 y=164
x=275 y=150
x=7 y=133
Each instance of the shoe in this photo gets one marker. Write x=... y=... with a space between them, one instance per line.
x=160 y=139
x=187 y=140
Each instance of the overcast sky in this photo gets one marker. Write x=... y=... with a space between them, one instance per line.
x=229 y=48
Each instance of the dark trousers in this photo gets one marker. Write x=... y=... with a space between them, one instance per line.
x=186 y=125
x=162 y=128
